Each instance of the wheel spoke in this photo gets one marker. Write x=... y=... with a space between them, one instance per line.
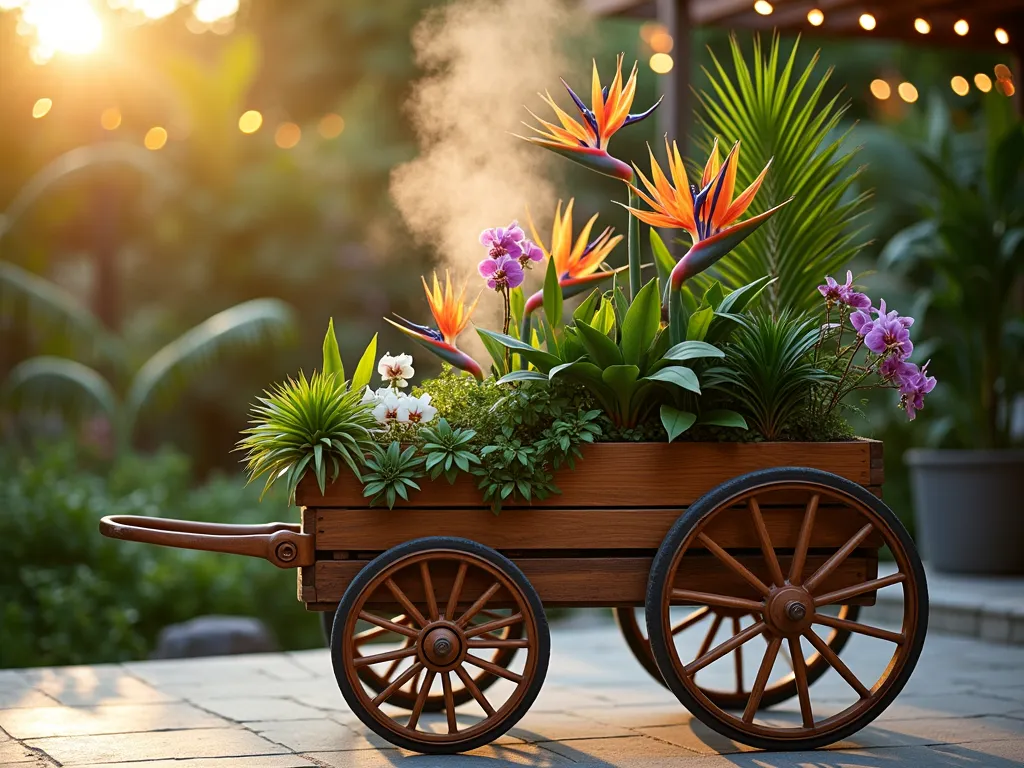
x=398 y=683
x=486 y=629
x=766 y=543
x=856 y=626
x=789 y=659
x=453 y=599
x=734 y=564
x=837 y=559
x=754 y=702
x=736 y=628
x=428 y=588
x=710 y=636
x=405 y=602
x=480 y=603
x=467 y=680
x=398 y=629
x=690 y=620
x=837 y=664
x=488 y=643
x=718 y=601
x=796 y=568
x=402 y=653
x=843 y=595
x=449 y=702
x=800 y=675
x=494 y=669
x=421 y=700
x=732 y=643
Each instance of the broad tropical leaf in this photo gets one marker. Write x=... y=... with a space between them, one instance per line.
x=56 y=382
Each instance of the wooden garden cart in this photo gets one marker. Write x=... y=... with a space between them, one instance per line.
x=756 y=557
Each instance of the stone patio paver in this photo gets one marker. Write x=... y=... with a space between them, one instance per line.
x=964 y=707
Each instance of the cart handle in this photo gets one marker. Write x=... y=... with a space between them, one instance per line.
x=283 y=544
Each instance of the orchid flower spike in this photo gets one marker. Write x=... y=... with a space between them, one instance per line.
x=576 y=264
x=587 y=142
x=708 y=213
x=452 y=317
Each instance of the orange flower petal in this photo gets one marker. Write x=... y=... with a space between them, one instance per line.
x=746 y=197
x=711 y=167
x=728 y=184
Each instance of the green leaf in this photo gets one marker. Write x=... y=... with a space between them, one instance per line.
x=552 y=296
x=332 y=355
x=517 y=306
x=700 y=321
x=364 y=370
x=663 y=260
x=496 y=350
x=723 y=418
x=522 y=376
x=676 y=421
x=641 y=323
x=692 y=350
x=585 y=311
x=601 y=350
x=604 y=320
x=679 y=375
x=537 y=357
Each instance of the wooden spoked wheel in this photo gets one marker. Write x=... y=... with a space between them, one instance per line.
x=788 y=592
x=442 y=585
x=374 y=640
x=707 y=623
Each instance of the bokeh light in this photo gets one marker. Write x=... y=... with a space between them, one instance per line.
x=880 y=89
x=331 y=126
x=287 y=135
x=153 y=9
x=212 y=11
x=649 y=29
x=662 y=63
x=763 y=7
x=922 y=26
x=60 y=27
x=661 y=42
x=867 y=21
x=1005 y=87
x=907 y=92
x=110 y=119
x=155 y=138
x=960 y=85
x=250 y=121
x=815 y=17
x=1002 y=37
x=1003 y=72
x=41 y=108
x=962 y=27
x=983 y=82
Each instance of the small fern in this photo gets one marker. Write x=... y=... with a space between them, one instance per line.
x=391 y=473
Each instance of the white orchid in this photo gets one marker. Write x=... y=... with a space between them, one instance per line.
x=416 y=410
x=388 y=407
x=396 y=369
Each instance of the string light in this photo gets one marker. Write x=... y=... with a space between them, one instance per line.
x=962 y=27
x=287 y=135
x=331 y=126
x=960 y=85
x=880 y=90
x=155 y=138
x=250 y=121
x=907 y=92
x=763 y=7
x=41 y=107
x=110 y=118
x=867 y=21
x=1001 y=36
x=662 y=63
x=815 y=17
x=983 y=82
x=922 y=26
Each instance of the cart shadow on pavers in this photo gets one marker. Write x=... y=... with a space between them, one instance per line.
x=758 y=553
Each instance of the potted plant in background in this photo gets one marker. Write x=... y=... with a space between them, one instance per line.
x=966 y=257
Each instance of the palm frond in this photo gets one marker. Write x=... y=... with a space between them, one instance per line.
x=783 y=115
x=62 y=384
x=246 y=326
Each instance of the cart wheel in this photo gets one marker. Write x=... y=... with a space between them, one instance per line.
x=787 y=610
x=634 y=630
x=443 y=585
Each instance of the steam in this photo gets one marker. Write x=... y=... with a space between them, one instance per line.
x=483 y=60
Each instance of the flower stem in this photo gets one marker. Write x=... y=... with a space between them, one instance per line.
x=633 y=247
x=504 y=330
x=839 y=384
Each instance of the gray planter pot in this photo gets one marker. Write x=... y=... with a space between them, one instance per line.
x=969 y=509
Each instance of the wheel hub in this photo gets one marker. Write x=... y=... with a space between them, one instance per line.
x=441 y=646
x=789 y=610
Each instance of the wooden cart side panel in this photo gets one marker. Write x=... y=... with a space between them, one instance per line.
x=607 y=581
x=635 y=475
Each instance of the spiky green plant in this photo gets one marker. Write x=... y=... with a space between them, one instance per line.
x=391 y=472
x=305 y=423
x=447 y=450
x=784 y=115
x=768 y=370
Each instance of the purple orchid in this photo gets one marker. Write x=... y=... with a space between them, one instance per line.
x=531 y=252
x=836 y=293
x=502 y=273
x=893 y=369
x=914 y=385
x=503 y=241
x=888 y=334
